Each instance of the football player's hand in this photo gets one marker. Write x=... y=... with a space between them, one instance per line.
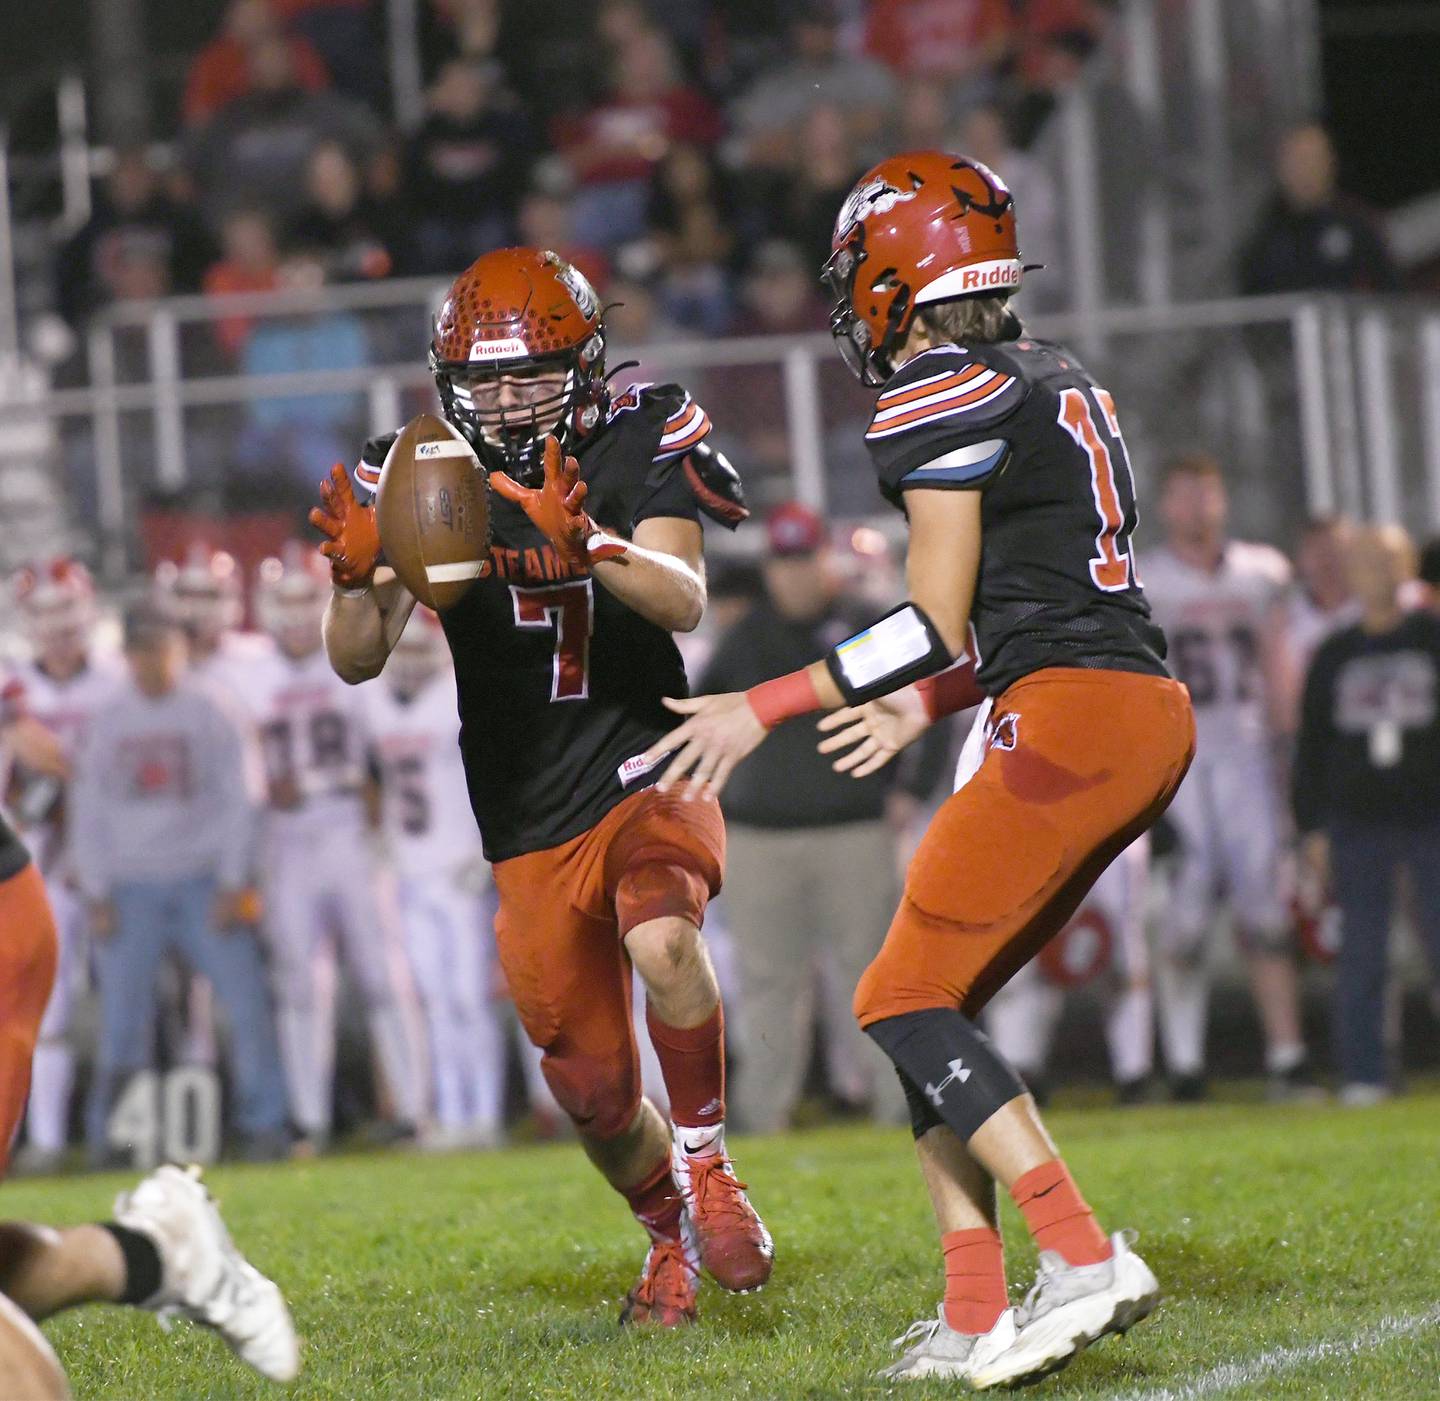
x=720 y=732
x=353 y=539
x=874 y=733
x=234 y=908
x=1316 y=852
x=557 y=510
x=102 y=918
x=36 y=747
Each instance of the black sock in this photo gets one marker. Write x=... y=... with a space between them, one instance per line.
x=951 y=1062
x=142 y=1263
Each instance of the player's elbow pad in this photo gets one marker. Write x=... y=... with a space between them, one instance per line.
x=902 y=647
x=716 y=485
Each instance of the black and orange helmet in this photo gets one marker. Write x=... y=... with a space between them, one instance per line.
x=922 y=227
x=512 y=312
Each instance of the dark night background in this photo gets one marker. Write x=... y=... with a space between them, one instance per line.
x=1381 y=62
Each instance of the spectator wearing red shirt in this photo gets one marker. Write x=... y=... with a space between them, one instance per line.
x=614 y=147
x=224 y=69
x=950 y=40
x=250 y=262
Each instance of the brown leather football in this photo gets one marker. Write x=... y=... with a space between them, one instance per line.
x=433 y=512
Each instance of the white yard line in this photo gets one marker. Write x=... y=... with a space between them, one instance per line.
x=1229 y=1375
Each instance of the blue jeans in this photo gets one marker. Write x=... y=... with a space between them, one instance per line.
x=153 y=919
x=1365 y=859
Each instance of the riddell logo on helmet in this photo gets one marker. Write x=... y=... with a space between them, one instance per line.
x=989 y=275
x=502 y=349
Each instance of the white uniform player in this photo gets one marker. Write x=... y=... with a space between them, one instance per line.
x=411 y=716
x=1221 y=604
x=321 y=893
x=61 y=686
x=1321 y=601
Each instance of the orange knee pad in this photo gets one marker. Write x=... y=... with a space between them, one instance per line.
x=600 y=1093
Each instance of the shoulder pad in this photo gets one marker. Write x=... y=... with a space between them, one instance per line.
x=685 y=423
x=949 y=387
x=372 y=459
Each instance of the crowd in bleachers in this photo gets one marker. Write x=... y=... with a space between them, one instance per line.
x=649 y=143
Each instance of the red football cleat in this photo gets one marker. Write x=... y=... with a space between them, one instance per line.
x=735 y=1248
x=664 y=1295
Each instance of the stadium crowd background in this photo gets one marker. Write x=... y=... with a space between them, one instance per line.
x=689 y=158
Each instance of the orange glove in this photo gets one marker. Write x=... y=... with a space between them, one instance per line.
x=354 y=544
x=557 y=510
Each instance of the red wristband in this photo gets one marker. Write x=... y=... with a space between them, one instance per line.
x=950 y=691
x=783 y=698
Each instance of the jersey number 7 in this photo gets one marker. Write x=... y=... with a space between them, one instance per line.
x=1113 y=567
x=570 y=610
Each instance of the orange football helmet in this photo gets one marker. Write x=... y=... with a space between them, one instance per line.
x=519 y=312
x=922 y=227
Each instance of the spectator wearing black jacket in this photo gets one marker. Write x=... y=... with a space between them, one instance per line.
x=1366 y=789
x=811 y=877
x=1312 y=238
x=467 y=166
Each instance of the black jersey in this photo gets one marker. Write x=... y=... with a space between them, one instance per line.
x=1023 y=423
x=561 y=684
x=13 y=854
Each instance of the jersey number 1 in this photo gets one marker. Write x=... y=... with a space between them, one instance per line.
x=570 y=610
x=1112 y=568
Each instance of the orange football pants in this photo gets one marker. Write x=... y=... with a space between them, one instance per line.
x=27 y=974
x=564 y=913
x=1079 y=763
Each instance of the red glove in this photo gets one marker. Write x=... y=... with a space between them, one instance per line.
x=557 y=510
x=353 y=547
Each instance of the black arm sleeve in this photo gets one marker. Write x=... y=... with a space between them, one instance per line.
x=1307 y=779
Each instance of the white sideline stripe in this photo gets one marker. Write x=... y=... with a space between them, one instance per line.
x=452 y=573
x=1229 y=1375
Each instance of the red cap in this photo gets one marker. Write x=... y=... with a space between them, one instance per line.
x=794 y=529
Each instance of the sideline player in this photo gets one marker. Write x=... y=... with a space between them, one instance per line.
x=412 y=728
x=60 y=687
x=563 y=657
x=981 y=434
x=1222 y=604
x=319 y=894
x=167 y=1248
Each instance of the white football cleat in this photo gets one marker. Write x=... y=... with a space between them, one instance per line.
x=204 y=1277
x=935 y=1349
x=1068 y=1308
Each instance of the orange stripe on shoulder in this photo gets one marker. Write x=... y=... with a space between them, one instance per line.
x=945 y=406
x=896 y=397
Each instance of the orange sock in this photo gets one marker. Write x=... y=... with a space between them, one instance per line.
x=1058 y=1216
x=975 y=1293
x=655 y=1200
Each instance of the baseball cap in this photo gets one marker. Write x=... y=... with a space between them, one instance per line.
x=147 y=621
x=793 y=529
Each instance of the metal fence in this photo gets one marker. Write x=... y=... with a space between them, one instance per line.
x=1313 y=404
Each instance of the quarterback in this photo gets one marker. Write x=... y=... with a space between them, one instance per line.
x=564 y=656
x=1007 y=460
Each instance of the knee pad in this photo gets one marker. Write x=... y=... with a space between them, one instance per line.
x=952 y=1062
x=600 y=1093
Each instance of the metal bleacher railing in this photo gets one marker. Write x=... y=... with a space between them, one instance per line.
x=1313 y=403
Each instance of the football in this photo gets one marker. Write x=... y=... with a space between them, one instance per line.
x=433 y=512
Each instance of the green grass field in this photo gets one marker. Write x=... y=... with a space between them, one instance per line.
x=1294 y=1246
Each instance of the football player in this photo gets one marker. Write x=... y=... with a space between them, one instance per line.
x=166 y=1249
x=425 y=814
x=1222 y=604
x=319 y=894
x=1007 y=460
x=1322 y=601
x=59 y=687
x=207 y=594
x=563 y=657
